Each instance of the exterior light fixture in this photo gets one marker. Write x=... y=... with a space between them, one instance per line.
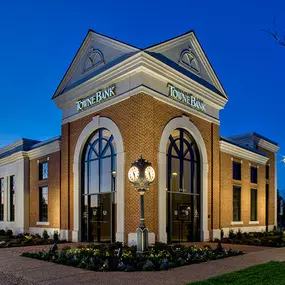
x=141 y=174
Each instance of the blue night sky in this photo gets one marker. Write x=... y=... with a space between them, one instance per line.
x=40 y=38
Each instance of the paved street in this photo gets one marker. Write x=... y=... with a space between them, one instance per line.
x=15 y=269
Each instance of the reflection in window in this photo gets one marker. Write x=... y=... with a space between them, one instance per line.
x=12 y=198
x=253 y=204
x=253 y=174
x=43 y=204
x=43 y=170
x=183 y=199
x=2 y=199
x=236 y=170
x=236 y=203
x=99 y=162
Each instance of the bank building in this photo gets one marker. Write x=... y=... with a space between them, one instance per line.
x=119 y=102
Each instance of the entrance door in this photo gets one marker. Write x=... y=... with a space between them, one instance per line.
x=183 y=191
x=98 y=197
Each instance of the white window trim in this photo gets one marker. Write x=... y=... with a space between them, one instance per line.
x=253 y=222
x=236 y=223
x=42 y=223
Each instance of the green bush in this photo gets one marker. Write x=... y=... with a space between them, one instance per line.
x=9 y=233
x=2 y=232
x=45 y=235
x=55 y=236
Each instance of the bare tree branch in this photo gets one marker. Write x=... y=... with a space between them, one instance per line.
x=275 y=35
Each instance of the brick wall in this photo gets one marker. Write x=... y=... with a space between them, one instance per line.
x=53 y=183
x=141 y=120
x=271 y=182
x=227 y=192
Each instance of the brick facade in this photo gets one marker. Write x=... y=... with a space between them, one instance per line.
x=141 y=120
x=53 y=183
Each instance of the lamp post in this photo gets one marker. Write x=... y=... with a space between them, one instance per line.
x=141 y=174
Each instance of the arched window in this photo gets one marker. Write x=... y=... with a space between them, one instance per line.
x=183 y=187
x=99 y=172
x=189 y=60
x=95 y=58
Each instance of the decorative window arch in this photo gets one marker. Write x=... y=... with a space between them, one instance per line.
x=189 y=60
x=94 y=59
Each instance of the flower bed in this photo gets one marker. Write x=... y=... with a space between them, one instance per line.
x=8 y=239
x=273 y=239
x=115 y=258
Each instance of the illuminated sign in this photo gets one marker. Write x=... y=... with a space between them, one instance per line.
x=97 y=98
x=186 y=98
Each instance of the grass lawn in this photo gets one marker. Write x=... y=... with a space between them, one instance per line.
x=272 y=273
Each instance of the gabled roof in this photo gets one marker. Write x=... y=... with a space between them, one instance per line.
x=150 y=50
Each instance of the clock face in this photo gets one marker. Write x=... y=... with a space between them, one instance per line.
x=149 y=174
x=133 y=174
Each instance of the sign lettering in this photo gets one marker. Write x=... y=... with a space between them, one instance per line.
x=186 y=98
x=95 y=99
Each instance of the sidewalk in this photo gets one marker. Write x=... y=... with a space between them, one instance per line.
x=15 y=269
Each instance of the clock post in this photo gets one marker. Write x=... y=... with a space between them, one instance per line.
x=141 y=174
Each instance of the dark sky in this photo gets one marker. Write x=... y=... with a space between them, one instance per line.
x=40 y=38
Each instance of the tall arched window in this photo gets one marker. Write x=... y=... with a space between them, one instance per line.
x=183 y=199
x=99 y=172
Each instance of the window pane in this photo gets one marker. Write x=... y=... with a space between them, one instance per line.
x=175 y=175
x=253 y=203
x=43 y=204
x=187 y=176
x=236 y=203
x=236 y=170
x=253 y=174
x=93 y=176
x=106 y=175
x=12 y=198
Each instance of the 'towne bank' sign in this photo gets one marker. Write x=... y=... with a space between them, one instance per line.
x=97 y=98
x=186 y=98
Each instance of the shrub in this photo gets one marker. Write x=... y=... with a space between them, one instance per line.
x=232 y=234
x=239 y=234
x=2 y=232
x=55 y=236
x=9 y=233
x=222 y=234
x=45 y=235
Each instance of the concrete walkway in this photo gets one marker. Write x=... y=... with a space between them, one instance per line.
x=15 y=269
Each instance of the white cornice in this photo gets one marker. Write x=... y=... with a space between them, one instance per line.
x=136 y=91
x=242 y=153
x=267 y=145
x=140 y=62
x=13 y=158
x=44 y=150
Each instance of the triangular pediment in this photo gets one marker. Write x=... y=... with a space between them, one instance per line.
x=96 y=54
x=185 y=54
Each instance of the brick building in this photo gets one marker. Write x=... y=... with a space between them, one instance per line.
x=118 y=102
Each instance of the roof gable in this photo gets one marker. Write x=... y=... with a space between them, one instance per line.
x=185 y=54
x=96 y=53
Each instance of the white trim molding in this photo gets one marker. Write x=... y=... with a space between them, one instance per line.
x=242 y=153
x=253 y=223
x=44 y=150
x=267 y=145
x=97 y=123
x=237 y=223
x=42 y=223
x=184 y=123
